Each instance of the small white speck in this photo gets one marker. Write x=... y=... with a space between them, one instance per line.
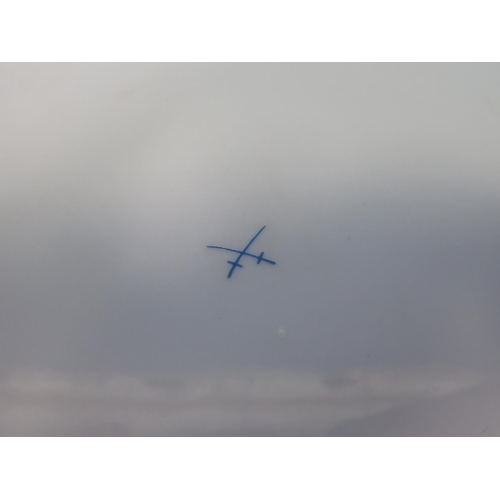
x=282 y=333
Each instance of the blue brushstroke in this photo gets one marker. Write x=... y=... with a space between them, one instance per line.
x=260 y=258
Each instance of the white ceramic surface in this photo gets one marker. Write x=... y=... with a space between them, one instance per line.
x=379 y=190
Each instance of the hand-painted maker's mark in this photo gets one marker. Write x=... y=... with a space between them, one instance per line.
x=235 y=264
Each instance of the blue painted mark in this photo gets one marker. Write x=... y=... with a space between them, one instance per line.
x=236 y=263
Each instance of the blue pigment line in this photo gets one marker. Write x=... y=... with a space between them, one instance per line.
x=260 y=258
x=235 y=263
